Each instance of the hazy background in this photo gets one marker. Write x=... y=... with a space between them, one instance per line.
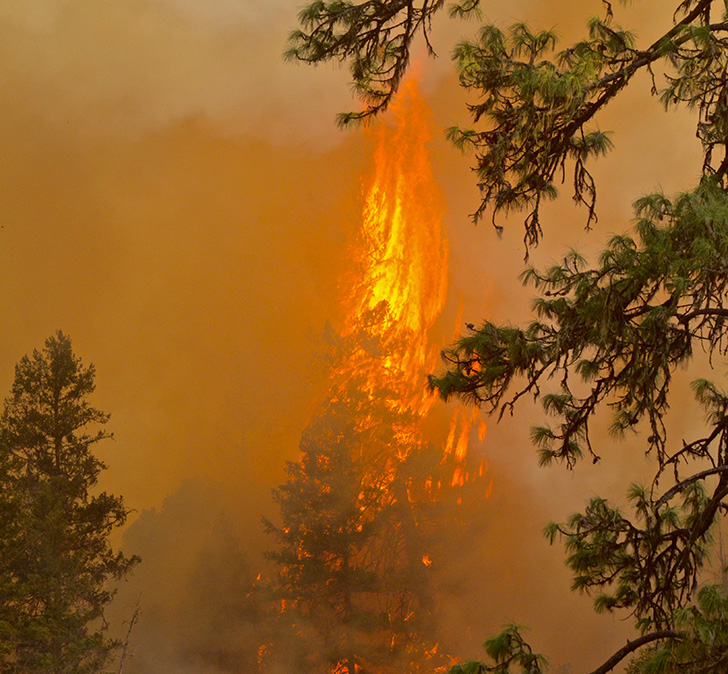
x=178 y=200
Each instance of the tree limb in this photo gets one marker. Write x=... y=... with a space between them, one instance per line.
x=631 y=646
x=693 y=478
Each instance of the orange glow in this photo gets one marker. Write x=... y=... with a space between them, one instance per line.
x=398 y=285
x=395 y=293
x=262 y=653
x=404 y=249
x=401 y=254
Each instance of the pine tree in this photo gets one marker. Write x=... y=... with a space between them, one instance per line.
x=55 y=558
x=360 y=517
x=335 y=557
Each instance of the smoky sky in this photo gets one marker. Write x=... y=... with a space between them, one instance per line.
x=178 y=199
x=128 y=68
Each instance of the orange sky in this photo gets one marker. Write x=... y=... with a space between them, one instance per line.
x=178 y=200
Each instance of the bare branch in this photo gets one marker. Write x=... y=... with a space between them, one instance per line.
x=632 y=646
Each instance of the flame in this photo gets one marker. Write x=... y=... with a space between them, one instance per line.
x=396 y=292
x=401 y=255
x=405 y=251
x=401 y=270
x=397 y=288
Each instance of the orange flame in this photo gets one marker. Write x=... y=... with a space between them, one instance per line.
x=405 y=250
x=401 y=268
x=396 y=293
x=401 y=254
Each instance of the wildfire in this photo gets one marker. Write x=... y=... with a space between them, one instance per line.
x=401 y=268
x=368 y=506
x=404 y=250
x=401 y=255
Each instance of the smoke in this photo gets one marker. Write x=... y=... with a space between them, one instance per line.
x=134 y=67
x=201 y=608
x=176 y=198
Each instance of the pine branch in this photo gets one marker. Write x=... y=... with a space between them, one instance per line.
x=684 y=483
x=632 y=646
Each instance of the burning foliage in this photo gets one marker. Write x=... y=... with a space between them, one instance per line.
x=366 y=511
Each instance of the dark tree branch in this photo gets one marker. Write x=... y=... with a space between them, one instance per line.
x=632 y=646
x=693 y=478
x=709 y=311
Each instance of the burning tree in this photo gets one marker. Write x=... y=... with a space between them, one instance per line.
x=363 y=509
x=345 y=576
x=364 y=513
x=609 y=335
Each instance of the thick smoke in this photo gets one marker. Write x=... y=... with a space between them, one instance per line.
x=133 y=67
x=177 y=199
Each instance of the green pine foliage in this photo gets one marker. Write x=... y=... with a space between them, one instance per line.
x=373 y=36
x=509 y=653
x=611 y=336
x=55 y=557
x=704 y=646
x=608 y=336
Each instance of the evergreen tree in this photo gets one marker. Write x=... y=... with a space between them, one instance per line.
x=348 y=578
x=605 y=335
x=328 y=516
x=55 y=557
x=361 y=520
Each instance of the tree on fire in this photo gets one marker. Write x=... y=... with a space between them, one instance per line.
x=341 y=578
x=55 y=557
x=326 y=580
x=608 y=335
x=361 y=516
